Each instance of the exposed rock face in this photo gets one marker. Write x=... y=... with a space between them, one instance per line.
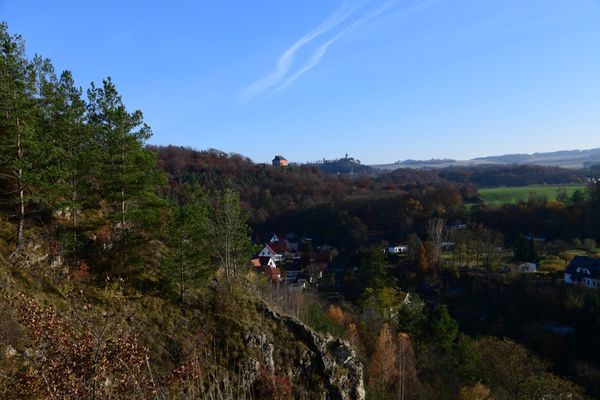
x=332 y=360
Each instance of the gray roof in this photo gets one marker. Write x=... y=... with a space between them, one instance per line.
x=584 y=267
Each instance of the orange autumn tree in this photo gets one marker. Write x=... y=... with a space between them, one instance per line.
x=407 y=381
x=383 y=368
x=336 y=315
x=393 y=370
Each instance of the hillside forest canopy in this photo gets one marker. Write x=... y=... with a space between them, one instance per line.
x=124 y=267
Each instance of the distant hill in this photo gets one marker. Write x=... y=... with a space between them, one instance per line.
x=571 y=159
x=565 y=159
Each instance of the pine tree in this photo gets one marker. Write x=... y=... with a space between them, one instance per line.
x=64 y=144
x=17 y=86
x=75 y=149
x=188 y=259
x=375 y=269
x=124 y=171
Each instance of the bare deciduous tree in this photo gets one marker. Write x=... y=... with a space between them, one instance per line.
x=436 y=228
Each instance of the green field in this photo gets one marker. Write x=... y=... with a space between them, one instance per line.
x=511 y=195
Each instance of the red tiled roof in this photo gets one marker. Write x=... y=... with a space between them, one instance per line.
x=279 y=247
x=255 y=262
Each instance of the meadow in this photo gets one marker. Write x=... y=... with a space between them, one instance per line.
x=511 y=195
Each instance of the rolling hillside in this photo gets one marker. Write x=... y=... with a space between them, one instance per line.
x=566 y=159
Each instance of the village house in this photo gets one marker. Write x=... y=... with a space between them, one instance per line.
x=584 y=271
x=260 y=262
x=267 y=266
x=399 y=249
x=288 y=258
x=528 y=267
x=268 y=251
x=448 y=246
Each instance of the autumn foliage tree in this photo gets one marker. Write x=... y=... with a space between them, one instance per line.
x=384 y=364
x=392 y=369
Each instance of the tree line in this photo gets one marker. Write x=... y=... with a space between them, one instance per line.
x=67 y=156
x=75 y=171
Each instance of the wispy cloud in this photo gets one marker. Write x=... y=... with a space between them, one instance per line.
x=285 y=74
x=285 y=61
x=318 y=54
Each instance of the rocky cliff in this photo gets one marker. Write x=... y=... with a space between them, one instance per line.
x=326 y=365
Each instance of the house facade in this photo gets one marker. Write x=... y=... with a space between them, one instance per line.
x=401 y=248
x=584 y=271
x=268 y=251
x=280 y=161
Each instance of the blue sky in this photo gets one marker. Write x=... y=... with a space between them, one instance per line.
x=381 y=80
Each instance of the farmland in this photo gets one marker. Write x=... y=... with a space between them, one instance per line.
x=511 y=195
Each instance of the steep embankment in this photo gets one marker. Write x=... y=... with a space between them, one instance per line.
x=109 y=340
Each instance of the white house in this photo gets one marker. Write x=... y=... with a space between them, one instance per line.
x=401 y=248
x=267 y=251
x=528 y=267
x=584 y=271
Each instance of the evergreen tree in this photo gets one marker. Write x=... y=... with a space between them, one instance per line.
x=375 y=269
x=75 y=149
x=17 y=86
x=188 y=258
x=125 y=172
x=442 y=328
x=64 y=145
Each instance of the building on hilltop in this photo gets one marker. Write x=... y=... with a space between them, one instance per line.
x=280 y=161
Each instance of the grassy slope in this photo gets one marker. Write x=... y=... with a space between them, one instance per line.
x=212 y=330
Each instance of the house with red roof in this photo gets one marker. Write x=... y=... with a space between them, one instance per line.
x=269 y=251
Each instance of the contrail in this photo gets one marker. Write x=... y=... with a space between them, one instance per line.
x=285 y=61
x=321 y=50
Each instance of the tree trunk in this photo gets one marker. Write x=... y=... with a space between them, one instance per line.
x=123 y=230
x=74 y=220
x=181 y=272
x=20 y=188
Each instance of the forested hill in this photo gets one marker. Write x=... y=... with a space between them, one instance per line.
x=347 y=211
x=183 y=161
x=267 y=190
